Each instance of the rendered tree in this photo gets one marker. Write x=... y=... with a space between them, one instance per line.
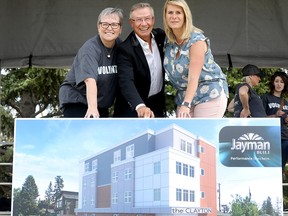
x=49 y=195
x=243 y=206
x=25 y=201
x=267 y=207
x=58 y=186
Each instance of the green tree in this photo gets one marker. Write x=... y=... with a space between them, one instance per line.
x=6 y=156
x=17 y=201
x=25 y=201
x=170 y=93
x=58 y=186
x=49 y=195
x=267 y=207
x=31 y=91
x=6 y=125
x=243 y=206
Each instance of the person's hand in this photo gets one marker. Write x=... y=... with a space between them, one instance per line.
x=92 y=113
x=183 y=112
x=279 y=113
x=245 y=113
x=145 y=112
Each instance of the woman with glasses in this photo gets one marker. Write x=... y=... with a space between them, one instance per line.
x=276 y=106
x=202 y=89
x=89 y=88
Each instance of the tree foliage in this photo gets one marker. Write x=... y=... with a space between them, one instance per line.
x=267 y=207
x=6 y=156
x=243 y=206
x=25 y=200
x=58 y=186
x=31 y=91
x=49 y=195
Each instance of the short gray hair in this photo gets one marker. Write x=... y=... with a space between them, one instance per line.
x=141 y=5
x=109 y=11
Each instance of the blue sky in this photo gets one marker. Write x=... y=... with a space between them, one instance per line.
x=46 y=148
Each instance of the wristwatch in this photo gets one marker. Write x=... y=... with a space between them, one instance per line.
x=187 y=104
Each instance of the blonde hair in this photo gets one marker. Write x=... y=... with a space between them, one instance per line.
x=188 y=23
x=246 y=79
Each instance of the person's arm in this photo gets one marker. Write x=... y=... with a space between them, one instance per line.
x=197 y=56
x=230 y=107
x=91 y=95
x=244 y=98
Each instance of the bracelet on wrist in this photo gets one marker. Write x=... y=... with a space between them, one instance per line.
x=186 y=104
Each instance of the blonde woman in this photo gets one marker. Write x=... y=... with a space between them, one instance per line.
x=247 y=103
x=202 y=89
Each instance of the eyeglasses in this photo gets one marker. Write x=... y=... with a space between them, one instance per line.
x=140 y=20
x=106 y=25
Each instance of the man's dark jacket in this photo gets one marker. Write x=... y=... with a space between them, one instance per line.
x=134 y=78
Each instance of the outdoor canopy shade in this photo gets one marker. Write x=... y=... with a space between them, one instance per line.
x=48 y=33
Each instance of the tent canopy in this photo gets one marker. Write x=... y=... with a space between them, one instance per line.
x=48 y=33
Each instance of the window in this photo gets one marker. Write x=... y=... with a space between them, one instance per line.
x=189 y=148
x=202 y=195
x=191 y=171
x=92 y=201
x=114 y=176
x=128 y=174
x=157 y=194
x=128 y=197
x=84 y=201
x=178 y=194
x=178 y=167
x=192 y=196
x=157 y=167
x=59 y=203
x=94 y=165
x=87 y=168
x=115 y=198
x=84 y=183
x=183 y=145
x=185 y=169
x=202 y=149
x=93 y=182
x=185 y=195
x=202 y=172
x=130 y=151
x=117 y=156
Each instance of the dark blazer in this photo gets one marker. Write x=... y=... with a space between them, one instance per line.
x=134 y=78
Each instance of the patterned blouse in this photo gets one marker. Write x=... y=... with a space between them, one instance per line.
x=211 y=81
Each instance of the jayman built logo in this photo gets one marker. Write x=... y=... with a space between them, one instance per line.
x=250 y=146
x=251 y=142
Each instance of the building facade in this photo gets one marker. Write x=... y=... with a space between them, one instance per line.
x=165 y=172
x=66 y=203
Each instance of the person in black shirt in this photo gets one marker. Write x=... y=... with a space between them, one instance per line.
x=247 y=103
x=276 y=106
x=90 y=86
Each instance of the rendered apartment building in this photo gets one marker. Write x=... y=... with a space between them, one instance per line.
x=165 y=172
